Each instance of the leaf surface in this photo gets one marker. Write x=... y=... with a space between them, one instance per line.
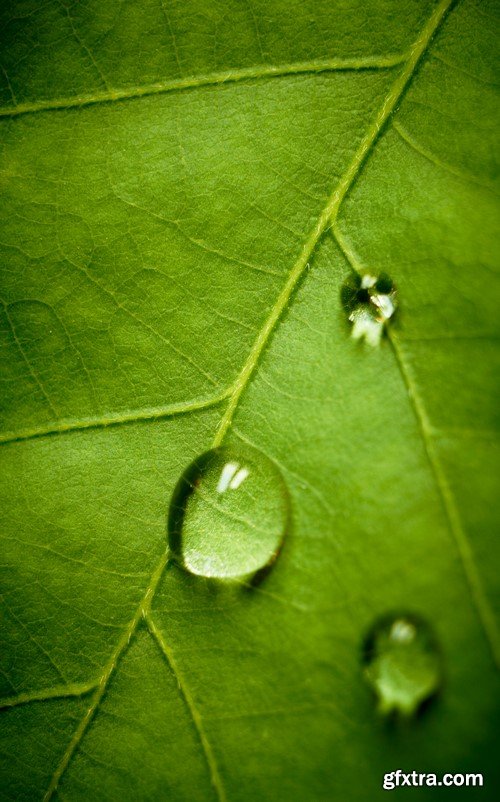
x=186 y=187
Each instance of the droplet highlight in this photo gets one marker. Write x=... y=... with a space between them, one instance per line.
x=229 y=514
x=402 y=663
x=370 y=302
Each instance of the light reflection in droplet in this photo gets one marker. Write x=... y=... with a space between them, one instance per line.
x=229 y=513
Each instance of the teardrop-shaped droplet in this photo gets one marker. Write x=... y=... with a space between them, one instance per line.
x=370 y=302
x=402 y=663
x=228 y=514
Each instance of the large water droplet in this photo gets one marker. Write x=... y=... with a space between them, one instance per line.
x=370 y=302
x=402 y=663
x=228 y=514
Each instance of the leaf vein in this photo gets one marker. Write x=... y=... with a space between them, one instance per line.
x=431 y=157
x=194 y=713
x=212 y=79
x=478 y=594
x=44 y=694
x=330 y=211
x=114 y=418
x=27 y=362
x=104 y=679
x=139 y=320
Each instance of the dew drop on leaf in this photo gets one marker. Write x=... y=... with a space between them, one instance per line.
x=402 y=663
x=370 y=302
x=228 y=515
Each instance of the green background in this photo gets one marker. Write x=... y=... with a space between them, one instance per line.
x=185 y=187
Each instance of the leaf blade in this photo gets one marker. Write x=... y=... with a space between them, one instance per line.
x=320 y=724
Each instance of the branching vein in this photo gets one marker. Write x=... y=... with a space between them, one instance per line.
x=327 y=215
x=103 y=682
x=213 y=79
x=195 y=716
x=114 y=418
x=330 y=211
x=428 y=433
x=44 y=694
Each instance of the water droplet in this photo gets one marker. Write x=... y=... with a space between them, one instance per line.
x=402 y=663
x=228 y=514
x=370 y=302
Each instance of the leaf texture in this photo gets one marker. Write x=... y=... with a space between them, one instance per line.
x=186 y=187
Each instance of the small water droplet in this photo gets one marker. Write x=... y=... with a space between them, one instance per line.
x=228 y=514
x=402 y=663
x=370 y=302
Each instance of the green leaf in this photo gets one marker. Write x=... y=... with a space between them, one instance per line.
x=186 y=188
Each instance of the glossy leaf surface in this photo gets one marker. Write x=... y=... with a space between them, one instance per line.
x=186 y=188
